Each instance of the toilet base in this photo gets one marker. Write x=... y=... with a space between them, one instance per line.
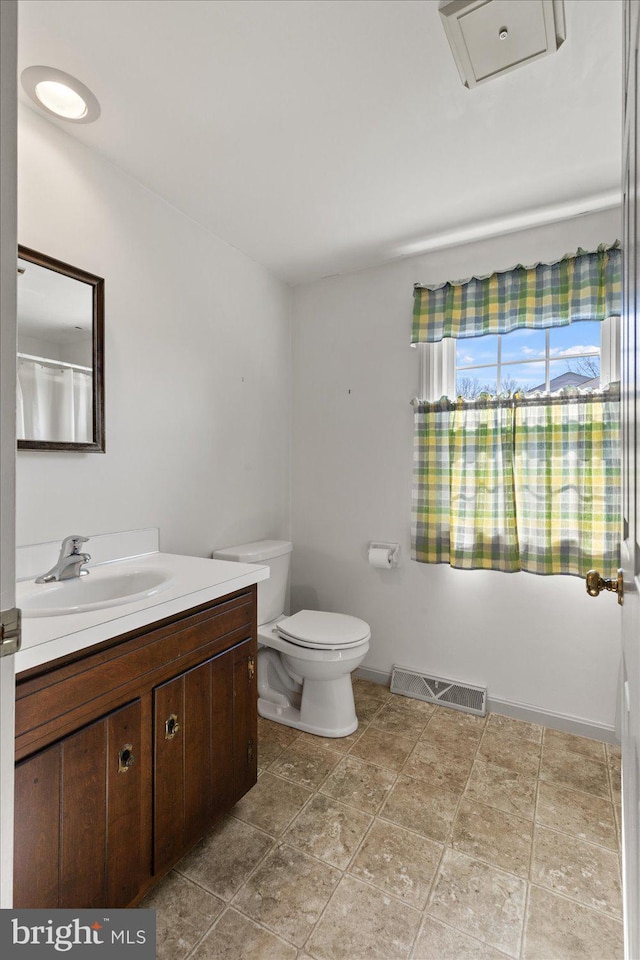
x=290 y=717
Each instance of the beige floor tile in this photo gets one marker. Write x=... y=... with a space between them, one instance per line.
x=305 y=763
x=519 y=729
x=273 y=738
x=337 y=744
x=278 y=732
x=439 y=942
x=412 y=704
x=577 y=869
x=501 y=788
x=559 y=928
x=328 y=830
x=615 y=778
x=480 y=901
x=458 y=732
x=556 y=741
x=384 y=749
x=288 y=892
x=272 y=804
x=223 y=860
x=398 y=862
x=521 y=756
x=375 y=690
x=425 y=808
x=437 y=764
x=184 y=912
x=578 y=814
x=572 y=770
x=235 y=937
x=394 y=718
x=493 y=835
x=362 y=923
x=359 y=784
x=367 y=706
x=617 y=810
x=613 y=750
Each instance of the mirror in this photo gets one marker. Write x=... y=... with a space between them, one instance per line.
x=60 y=355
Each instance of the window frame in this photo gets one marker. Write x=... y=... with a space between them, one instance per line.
x=438 y=369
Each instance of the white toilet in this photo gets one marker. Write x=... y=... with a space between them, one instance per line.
x=304 y=661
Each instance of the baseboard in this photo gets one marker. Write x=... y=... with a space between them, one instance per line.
x=557 y=721
x=523 y=711
x=376 y=676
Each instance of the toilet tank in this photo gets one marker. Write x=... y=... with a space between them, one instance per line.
x=274 y=554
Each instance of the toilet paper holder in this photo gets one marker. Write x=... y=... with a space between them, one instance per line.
x=392 y=549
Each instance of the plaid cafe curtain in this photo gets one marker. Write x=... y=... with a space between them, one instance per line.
x=520 y=483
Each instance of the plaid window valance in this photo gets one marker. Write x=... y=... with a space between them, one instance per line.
x=584 y=286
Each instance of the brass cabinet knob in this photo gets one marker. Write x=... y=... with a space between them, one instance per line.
x=126 y=758
x=171 y=727
x=596 y=584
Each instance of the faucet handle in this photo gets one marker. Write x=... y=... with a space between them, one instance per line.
x=71 y=545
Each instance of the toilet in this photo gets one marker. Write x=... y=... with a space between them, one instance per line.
x=304 y=661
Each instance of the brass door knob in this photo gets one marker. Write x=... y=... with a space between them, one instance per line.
x=596 y=584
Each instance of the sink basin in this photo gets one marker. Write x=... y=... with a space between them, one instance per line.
x=101 y=588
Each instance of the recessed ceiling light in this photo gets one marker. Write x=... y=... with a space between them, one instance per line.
x=60 y=94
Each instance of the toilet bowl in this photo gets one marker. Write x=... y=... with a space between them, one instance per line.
x=304 y=661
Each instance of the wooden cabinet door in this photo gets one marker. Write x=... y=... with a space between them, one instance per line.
x=168 y=773
x=183 y=759
x=79 y=818
x=222 y=785
x=245 y=717
x=128 y=804
x=205 y=724
x=36 y=864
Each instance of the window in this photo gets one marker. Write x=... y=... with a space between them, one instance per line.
x=584 y=354
x=519 y=473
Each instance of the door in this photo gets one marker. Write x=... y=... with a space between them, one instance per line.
x=8 y=251
x=630 y=546
x=79 y=836
x=183 y=741
x=205 y=723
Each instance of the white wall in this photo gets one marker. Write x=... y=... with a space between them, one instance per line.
x=534 y=641
x=198 y=364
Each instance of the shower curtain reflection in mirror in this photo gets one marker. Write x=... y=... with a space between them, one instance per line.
x=54 y=402
x=60 y=354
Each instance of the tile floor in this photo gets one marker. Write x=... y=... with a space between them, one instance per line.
x=428 y=834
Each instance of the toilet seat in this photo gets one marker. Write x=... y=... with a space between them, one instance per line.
x=318 y=630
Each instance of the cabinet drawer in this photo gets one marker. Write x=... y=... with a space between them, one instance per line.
x=66 y=695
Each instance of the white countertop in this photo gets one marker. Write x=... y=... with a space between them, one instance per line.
x=191 y=581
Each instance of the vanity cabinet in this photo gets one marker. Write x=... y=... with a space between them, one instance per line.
x=128 y=752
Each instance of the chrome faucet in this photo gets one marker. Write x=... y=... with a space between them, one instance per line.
x=69 y=562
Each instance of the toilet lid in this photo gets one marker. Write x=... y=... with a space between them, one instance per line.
x=315 y=628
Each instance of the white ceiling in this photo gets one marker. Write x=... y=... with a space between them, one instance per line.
x=322 y=136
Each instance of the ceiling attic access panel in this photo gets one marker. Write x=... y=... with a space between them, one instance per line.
x=491 y=37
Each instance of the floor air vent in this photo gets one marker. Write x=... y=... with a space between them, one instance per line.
x=448 y=693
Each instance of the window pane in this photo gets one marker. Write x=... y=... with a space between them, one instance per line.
x=523 y=345
x=474 y=382
x=522 y=376
x=584 y=372
x=581 y=337
x=475 y=350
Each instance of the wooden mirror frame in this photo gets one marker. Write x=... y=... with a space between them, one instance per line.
x=97 y=445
